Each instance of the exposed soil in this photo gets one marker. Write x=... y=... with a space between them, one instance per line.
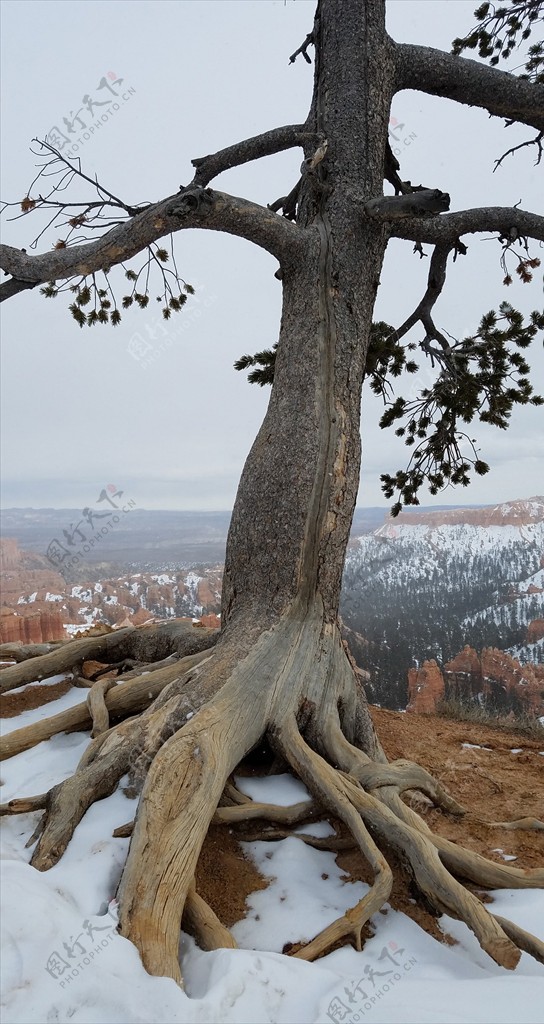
x=487 y=778
x=33 y=696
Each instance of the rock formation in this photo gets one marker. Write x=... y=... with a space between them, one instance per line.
x=535 y=631
x=425 y=688
x=36 y=627
x=493 y=678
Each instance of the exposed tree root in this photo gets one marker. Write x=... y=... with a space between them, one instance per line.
x=96 y=702
x=24 y=805
x=294 y=814
x=524 y=940
x=439 y=887
x=330 y=788
x=200 y=920
x=332 y=844
x=125 y=698
x=145 y=643
x=20 y=652
x=207 y=713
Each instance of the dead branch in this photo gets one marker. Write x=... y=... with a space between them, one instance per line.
x=96 y=704
x=193 y=207
x=24 y=805
x=275 y=141
x=420 y=203
x=537 y=141
x=21 y=652
x=303 y=49
x=159 y=638
x=451 y=226
x=422 y=313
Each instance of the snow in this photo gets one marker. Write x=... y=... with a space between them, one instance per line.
x=475 y=746
x=63 y=960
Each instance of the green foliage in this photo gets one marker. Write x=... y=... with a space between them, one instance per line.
x=264 y=363
x=386 y=357
x=105 y=309
x=503 y=29
x=481 y=378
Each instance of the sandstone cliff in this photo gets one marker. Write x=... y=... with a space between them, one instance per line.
x=492 y=677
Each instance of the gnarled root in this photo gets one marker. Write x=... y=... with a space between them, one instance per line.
x=124 y=698
x=110 y=756
x=294 y=685
x=145 y=643
x=200 y=920
x=330 y=788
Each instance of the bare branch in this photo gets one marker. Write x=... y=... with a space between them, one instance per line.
x=275 y=141
x=303 y=49
x=529 y=142
x=193 y=207
x=14 y=286
x=422 y=312
x=418 y=202
x=450 y=226
x=469 y=82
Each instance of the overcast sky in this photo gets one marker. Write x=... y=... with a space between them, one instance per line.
x=172 y=429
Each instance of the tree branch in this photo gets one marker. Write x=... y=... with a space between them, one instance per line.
x=193 y=207
x=467 y=81
x=420 y=202
x=450 y=226
x=422 y=312
x=14 y=286
x=275 y=141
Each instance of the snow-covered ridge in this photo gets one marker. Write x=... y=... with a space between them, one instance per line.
x=423 y=590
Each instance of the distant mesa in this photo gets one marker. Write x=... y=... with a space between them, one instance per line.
x=511 y=513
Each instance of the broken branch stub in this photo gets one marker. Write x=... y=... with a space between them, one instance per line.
x=427 y=202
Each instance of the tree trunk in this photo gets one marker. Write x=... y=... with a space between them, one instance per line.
x=295 y=502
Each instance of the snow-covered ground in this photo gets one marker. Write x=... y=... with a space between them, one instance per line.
x=62 y=959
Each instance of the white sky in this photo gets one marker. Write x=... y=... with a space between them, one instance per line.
x=79 y=411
